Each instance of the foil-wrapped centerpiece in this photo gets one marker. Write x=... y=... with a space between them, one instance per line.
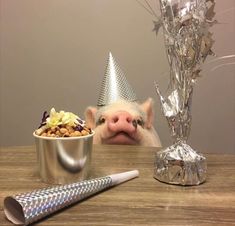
x=188 y=42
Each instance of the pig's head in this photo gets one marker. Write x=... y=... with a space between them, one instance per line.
x=123 y=122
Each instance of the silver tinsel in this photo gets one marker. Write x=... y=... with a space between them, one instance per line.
x=180 y=164
x=188 y=42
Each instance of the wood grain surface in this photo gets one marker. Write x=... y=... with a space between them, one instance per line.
x=141 y=201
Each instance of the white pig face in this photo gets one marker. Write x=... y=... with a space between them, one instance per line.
x=123 y=122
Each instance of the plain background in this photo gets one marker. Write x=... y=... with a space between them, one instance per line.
x=54 y=53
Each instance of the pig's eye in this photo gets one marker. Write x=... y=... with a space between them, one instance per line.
x=140 y=122
x=100 y=121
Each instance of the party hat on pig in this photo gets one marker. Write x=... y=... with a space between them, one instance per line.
x=114 y=85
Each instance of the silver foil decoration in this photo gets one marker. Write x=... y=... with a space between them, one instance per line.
x=26 y=208
x=114 y=85
x=180 y=164
x=188 y=42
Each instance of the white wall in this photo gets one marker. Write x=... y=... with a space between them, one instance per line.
x=54 y=52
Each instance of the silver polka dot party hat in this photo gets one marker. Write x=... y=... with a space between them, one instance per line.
x=114 y=85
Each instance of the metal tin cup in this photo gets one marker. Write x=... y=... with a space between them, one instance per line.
x=65 y=159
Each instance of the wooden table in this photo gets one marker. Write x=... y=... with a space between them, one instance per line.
x=141 y=201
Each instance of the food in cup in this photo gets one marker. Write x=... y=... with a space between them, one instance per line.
x=62 y=124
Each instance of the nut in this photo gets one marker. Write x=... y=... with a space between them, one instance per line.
x=63 y=130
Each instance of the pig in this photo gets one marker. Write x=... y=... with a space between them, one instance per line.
x=123 y=122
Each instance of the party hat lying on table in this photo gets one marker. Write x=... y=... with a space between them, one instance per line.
x=26 y=208
x=114 y=85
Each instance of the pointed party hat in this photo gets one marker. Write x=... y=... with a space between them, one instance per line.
x=114 y=85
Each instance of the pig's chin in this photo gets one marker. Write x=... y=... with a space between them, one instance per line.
x=121 y=138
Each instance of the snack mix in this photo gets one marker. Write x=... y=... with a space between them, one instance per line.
x=62 y=124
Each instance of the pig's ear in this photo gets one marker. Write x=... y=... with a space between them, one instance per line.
x=147 y=107
x=90 y=117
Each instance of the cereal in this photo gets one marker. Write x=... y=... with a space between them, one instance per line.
x=53 y=129
x=77 y=134
x=84 y=132
x=63 y=130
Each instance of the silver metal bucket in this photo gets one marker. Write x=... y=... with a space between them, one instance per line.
x=64 y=160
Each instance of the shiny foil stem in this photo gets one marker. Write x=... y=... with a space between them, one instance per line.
x=180 y=123
x=180 y=164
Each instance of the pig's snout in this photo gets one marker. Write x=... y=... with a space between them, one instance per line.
x=122 y=121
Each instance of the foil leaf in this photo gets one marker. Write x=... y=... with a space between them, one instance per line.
x=210 y=11
x=157 y=25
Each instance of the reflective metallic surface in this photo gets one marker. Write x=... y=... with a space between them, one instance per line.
x=114 y=85
x=180 y=164
x=29 y=207
x=188 y=42
x=64 y=160
x=177 y=113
